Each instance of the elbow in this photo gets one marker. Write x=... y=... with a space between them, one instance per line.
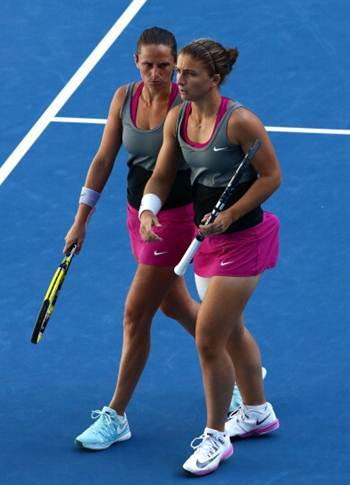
x=276 y=180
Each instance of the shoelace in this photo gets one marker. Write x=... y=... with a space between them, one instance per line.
x=101 y=414
x=103 y=422
x=207 y=446
x=239 y=414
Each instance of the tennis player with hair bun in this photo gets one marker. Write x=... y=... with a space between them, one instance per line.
x=136 y=118
x=213 y=133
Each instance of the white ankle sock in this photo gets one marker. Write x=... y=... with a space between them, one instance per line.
x=260 y=408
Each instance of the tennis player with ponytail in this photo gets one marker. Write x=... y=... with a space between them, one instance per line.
x=213 y=133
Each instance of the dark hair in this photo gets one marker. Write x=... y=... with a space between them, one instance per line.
x=215 y=58
x=157 y=36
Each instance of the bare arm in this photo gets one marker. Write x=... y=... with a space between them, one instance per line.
x=163 y=175
x=100 y=169
x=244 y=128
x=164 y=172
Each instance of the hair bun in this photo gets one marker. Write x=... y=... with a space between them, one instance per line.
x=232 y=54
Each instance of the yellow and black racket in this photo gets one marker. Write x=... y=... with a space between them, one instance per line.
x=50 y=298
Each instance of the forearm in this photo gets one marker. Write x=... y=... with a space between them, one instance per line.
x=83 y=213
x=98 y=173
x=158 y=186
x=95 y=181
x=260 y=191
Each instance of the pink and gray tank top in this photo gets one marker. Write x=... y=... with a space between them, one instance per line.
x=213 y=163
x=143 y=147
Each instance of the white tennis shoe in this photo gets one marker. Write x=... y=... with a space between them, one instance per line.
x=213 y=448
x=245 y=423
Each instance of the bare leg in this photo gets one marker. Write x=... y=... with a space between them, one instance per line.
x=179 y=305
x=220 y=322
x=202 y=284
x=151 y=285
x=243 y=349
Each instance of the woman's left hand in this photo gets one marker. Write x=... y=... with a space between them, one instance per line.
x=220 y=224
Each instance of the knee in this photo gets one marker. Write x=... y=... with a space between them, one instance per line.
x=237 y=334
x=182 y=310
x=208 y=349
x=137 y=324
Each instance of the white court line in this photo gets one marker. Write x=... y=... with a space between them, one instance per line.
x=276 y=129
x=314 y=131
x=37 y=129
x=93 y=121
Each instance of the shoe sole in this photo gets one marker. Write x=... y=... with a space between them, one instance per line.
x=228 y=453
x=80 y=444
x=260 y=431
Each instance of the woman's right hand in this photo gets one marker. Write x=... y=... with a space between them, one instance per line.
x=147 y=221
x=75 y=235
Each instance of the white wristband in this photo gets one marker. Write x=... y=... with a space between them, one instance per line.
x=89 y=197
x=150 y=202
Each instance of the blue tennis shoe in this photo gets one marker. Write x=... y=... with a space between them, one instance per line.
x=109 y=428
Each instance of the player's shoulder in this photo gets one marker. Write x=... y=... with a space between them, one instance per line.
x=121 y=91
x=243 y=116
x=175 y=110
x=172 y=117
x=120 y=95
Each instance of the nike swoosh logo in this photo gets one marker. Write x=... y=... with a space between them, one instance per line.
x=261 y=422
x=159 y=253
x=203 y=464
x=219 y=149
x=121 y=429
x=225 y=263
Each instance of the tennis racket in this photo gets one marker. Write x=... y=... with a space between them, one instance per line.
x=181 y=268
x=50 y=298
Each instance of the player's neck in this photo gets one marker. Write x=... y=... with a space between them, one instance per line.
x=206 y=108
x=150 y=95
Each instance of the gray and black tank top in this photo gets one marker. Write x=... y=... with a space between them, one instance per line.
x=212 y=166
x=143 y=147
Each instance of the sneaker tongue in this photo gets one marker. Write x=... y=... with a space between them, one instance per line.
x=109 y=411
x=210 y=431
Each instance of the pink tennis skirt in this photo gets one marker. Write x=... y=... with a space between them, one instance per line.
x=177 y=231
x=244 y=253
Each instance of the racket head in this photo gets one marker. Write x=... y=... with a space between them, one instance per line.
x=50 y=298
x=41 y=322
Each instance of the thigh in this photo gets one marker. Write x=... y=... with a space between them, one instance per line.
x=148 y=288
x=223 y=305
x=178 y=294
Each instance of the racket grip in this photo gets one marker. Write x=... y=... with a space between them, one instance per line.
x=181 y=267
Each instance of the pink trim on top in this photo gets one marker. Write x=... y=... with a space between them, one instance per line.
x=134 y=103
x=136 y=96
x=173 y=94
x=222 y=110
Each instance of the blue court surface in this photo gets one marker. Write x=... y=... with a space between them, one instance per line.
x=293 y=70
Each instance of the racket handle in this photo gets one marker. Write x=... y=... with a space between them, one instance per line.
x=181 y=267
